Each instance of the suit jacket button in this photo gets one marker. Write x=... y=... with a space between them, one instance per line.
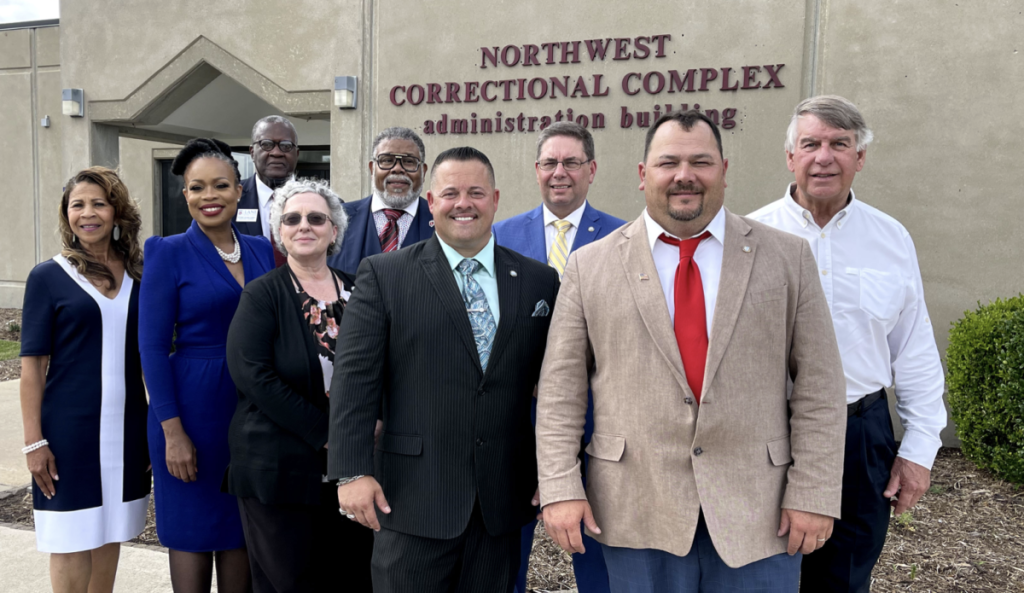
x=698 y=451
x=479 y=442
x=688 y=401
x=480 y=393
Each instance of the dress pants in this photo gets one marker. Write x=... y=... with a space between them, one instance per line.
x=845 y=562
x=473 y=562
x=303 y=548
x=700 y=571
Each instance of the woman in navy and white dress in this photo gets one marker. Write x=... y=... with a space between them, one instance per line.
x=190 y=291
x=82 y=398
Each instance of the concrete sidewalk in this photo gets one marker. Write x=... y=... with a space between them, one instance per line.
x=142 y=569
x=24 y=570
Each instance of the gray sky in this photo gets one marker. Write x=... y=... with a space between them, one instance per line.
x=13 y=11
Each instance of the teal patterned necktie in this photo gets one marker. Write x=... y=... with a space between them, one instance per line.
x=480 y=318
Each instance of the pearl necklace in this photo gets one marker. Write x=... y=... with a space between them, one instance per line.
x=235 y=255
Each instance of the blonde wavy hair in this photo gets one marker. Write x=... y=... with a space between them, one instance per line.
x=126 y=215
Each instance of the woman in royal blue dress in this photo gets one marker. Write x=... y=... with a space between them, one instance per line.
x=189 y=294
x=82 y=400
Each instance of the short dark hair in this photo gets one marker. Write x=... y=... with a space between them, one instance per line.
x=198 y=148
x=569 y=130
x=686 y=119
x=463 y=154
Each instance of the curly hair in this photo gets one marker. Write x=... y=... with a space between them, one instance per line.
x=126 y=216
x=295 y=187
x=198 y=148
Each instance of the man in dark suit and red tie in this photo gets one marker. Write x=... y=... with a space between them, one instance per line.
x=443 y=341
x=563 y=223
x=395 y=216
x=275 y=153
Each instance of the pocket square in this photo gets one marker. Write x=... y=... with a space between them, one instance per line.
x=542 y=309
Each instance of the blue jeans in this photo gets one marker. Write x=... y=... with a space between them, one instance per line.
x=700 y=571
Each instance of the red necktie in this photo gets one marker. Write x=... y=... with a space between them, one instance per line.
x=691 y=322
x=389 y=234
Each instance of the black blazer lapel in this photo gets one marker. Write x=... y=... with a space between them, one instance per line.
x=435 y=266
x=509 y=289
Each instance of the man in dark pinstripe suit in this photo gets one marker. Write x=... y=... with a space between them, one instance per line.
x=444 y=341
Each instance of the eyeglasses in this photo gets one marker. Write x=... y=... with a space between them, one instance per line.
x=314 y=218
x=567 y=164
x=388 y=161
x=268 y=145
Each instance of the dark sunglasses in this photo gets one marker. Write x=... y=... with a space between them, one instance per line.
x=314 y=218
x=268 y=145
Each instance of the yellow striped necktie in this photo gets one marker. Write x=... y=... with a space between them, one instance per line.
x=559 y=248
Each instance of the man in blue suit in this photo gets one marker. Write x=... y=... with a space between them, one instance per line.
x=564 y=222
x=395 y=216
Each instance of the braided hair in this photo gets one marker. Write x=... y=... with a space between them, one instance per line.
x=201 y=148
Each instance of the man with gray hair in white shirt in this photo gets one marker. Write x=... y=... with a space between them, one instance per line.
x=868 y=268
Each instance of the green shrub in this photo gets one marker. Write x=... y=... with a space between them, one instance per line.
x=986 y=386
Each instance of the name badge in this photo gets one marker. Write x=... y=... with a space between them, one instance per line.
x=247 y=214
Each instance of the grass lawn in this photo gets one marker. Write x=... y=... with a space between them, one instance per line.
x=9 y=350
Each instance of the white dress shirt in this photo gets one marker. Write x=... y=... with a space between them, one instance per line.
x=264 y=195
x=380 y=219
x=868 y=268
x=708 y=258
x=550 y=232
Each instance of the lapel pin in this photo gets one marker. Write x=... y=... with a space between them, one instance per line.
x=431 y=224
x=746 y=249
x=591 y=229
x=513 y=273
x=643 y=277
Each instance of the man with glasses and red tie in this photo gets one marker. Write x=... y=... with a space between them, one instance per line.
x=395 y=216
x=275 y=153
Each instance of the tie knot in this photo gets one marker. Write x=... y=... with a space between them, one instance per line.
x=393 y=215
x=468 y=267
x=562 y=225
x=687 y=247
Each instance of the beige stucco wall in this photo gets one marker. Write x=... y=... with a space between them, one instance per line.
x=939 y=87
x=29 y=89
x=138 y=171
x=746 y=32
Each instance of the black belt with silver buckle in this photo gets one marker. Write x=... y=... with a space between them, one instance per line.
x=863 y=403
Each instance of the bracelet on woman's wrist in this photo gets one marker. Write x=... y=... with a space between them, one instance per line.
x=34 y=446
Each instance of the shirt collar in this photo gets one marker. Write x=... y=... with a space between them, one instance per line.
x=804 y=217
x=575 y=217
x=485 y=256
x=716 y=227
x=263 y=192
x=377 y=204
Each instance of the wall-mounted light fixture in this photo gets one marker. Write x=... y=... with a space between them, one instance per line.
x=73 y=102
x=45 y=122
x=345 y=92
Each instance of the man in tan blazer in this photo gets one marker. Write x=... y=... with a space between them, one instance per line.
x=682 y=496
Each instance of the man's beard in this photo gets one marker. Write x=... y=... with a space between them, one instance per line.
x=397 y=201
x=687 y=215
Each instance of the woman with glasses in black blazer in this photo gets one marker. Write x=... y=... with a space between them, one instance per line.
x=281 y=356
